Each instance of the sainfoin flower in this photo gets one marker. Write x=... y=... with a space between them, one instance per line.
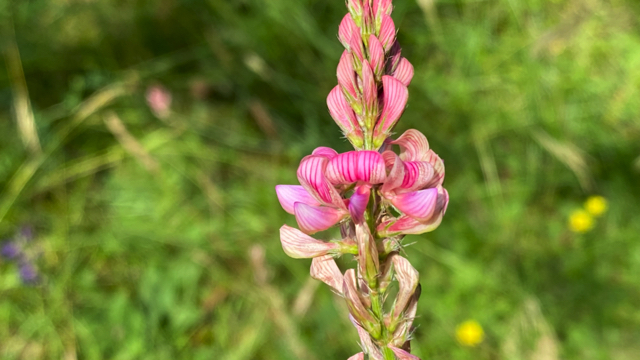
x=388 y=187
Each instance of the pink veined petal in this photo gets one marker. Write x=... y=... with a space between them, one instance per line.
x=342 y=113
x=407 y=225
x=381 y=7
x=346 y=29
x=355 y=7
x=417 y=175
x=407 y=278
x=420 y=205
x=404 y=72
x=413 y=146
x=291 y=194
x=356 y=46
x=438 y=167
x=301 y=246
x=395 y=96
x=347 y=75
x=369 y=93
x=387 y=32
x=312 y=178
x=367 y=15
x=325 y=269
x=312 y=219
x=358 y=202
x=396 y=174
x=353 y=166
x=376 y=55
x=403 y=355
x=325 y=151
x=358 y=356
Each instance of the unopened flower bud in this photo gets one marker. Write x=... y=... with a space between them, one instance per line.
x=355 y=9
x=356 y=308
x=367 y=255
x=407 y=278
x=365 y=341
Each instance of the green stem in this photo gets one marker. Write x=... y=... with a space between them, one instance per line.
x=388 y=354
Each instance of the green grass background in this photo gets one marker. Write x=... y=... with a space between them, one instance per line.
x=534 y=105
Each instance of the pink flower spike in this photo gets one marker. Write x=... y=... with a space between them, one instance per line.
x=325 y=151
x=159 y=101
x=347 y=28
x=413 y=146
x=291 y=194
x=354 y=166
x=420 y=205
x=347 y=76
x=358 y=202
x=311 y=177
x=343 y=115
x=395 y=96
x=387 y=32
x=404 y=72
x=301 y=246
x=376 y=55
x=403 y=355
x=325 y=269
x=358 y=356
x=312 y=219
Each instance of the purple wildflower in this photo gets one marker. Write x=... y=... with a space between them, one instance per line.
x=10 y=250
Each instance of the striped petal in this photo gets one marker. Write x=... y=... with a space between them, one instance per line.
x=382 y=7
x=419 y=205
x=353 y=166
x=312 y=219
x=358 y=202
x=438 y=168
x=301 y=246
x=291 y=194
x=376 y=55
x=387 y=32
x=396 y=174
x=404 y=72
x=325 y=151
x=356 y=47
x=346 y=29
x=369 y=95
x=413 y=146
x=312 y=178
x=325 y=269
x=407 y=277
x=347 y=76
x=403 y=355
x=417 y=175
x=342 y=113
x=395 y=96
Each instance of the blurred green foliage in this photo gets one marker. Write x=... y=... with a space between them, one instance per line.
x=160 y=241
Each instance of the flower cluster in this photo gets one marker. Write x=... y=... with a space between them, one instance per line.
x=14 y=250
x=375 y=195
x=583 y=220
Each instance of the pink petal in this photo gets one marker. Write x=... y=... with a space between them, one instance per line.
x=420 y=205
x=325 y=269
x=347 y=76
x=325 y=151
x=355 y=7
x=301 y=246
x=312 y=178
x=358 y=356
x=417 y=175
x=290 y=194
x=342 y=113
x=347 y=28
x=369 y=94
x=404 y=72
x=413 y=146
x=387 y=32
x=438 y=168
x=403 y=355
x=395 y=96
x=353 y=166
x=396 y=175
x=407 y=278
x=407 y=225
x=365 y=340
x=358 y=202
x=376 y=55
x=356 y=46
x=381 y=7
x=312 y=219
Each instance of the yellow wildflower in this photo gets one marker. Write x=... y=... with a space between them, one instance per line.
x=596 y=205
x=580 y=221
x=469 y=333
